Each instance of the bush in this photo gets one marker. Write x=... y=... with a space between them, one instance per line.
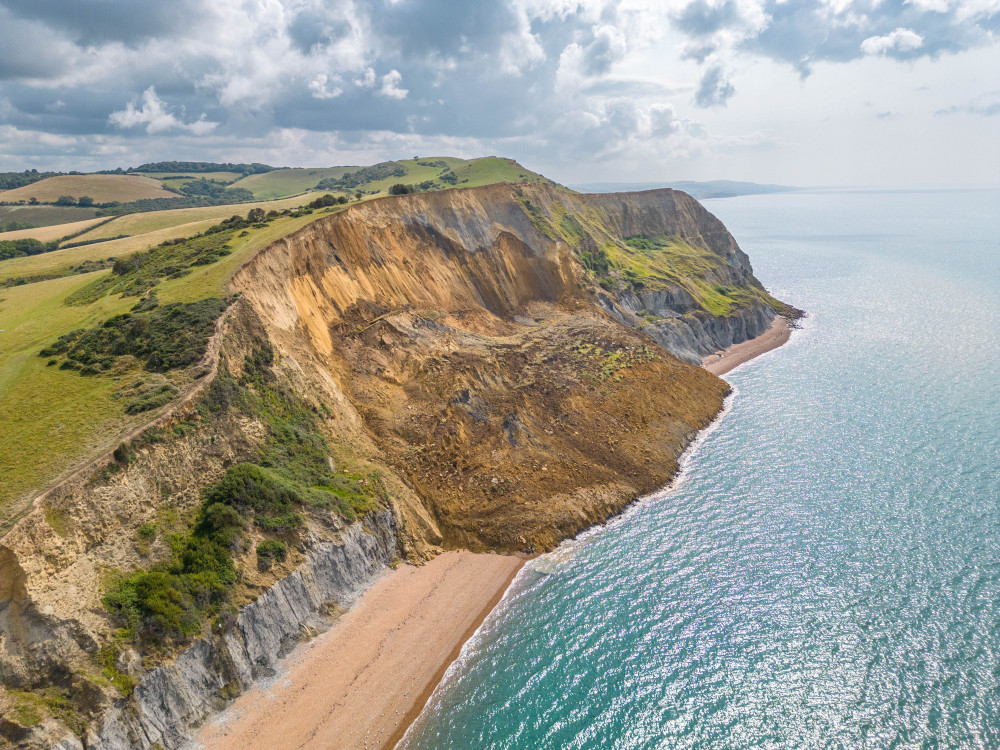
x=270 y=551
x=164 y=338
x=65 y=200
x=85 y=200
x=400 y=189
x=253 y=490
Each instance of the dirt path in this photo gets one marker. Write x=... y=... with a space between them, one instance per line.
x=210 y=360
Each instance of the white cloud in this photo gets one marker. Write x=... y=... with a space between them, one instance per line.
x=390 y=85
x=900 y=40
x=323 y=87
x=152 y=113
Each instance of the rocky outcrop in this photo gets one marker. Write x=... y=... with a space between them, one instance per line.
x=174 y=698
x=682 y=329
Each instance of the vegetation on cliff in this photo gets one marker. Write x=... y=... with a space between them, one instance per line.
x=267 y=497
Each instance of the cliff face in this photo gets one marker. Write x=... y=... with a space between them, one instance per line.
x=476 y=337
x=507 y=360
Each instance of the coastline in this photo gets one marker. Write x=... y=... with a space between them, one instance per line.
x=363 y=683
x=722 y=362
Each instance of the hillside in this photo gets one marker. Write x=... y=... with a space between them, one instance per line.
x=281 y=183
x=103 y=188
x=487 y=368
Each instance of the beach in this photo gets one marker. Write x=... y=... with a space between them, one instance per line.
x=361 y=683
x=736 y=355
x=364 y=681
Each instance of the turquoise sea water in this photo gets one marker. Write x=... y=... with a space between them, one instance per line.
x=826 y=573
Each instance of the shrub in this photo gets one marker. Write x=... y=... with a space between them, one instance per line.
x=400 y=189
x=251 y=488
x=164 y=338
x=65 y=200
x=270 y=551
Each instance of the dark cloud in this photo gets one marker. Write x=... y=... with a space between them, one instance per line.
x=803 y=33
x=96 y=21
x=498 y=71
x=714 y=90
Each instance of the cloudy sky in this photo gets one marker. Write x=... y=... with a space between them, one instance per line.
x=806 y=92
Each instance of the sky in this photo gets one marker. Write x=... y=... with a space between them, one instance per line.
x=797 y=92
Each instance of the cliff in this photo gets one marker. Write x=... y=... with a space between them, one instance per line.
x=492 y=368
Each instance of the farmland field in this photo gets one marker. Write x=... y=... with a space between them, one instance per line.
x=103 y=188
x=44 y=216
x=285 y=182
x=49 y=233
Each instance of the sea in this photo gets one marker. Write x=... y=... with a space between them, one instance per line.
x=825 y=572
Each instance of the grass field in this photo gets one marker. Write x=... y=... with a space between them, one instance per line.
x=282 y=183
x=58 y=262
x=136 y=224
x=103 y=188
x=47 y=234
x=54 y=419
x=44 y=216
x=468 y=173
x=217 y=176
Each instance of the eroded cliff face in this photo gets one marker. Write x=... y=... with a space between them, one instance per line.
x=509 y=359
x=520 y=401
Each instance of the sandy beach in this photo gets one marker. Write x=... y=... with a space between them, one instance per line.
x=360 y=684
x=736 y=355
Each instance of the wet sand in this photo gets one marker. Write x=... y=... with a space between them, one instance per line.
x=736 y=355
x=361 y=684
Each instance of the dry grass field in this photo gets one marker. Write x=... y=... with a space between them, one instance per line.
x=103 y=188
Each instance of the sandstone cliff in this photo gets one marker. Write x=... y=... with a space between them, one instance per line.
x=509 y=364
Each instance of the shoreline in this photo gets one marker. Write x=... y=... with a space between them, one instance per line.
x=444 y=601
x=363 y=682
x=732 y=357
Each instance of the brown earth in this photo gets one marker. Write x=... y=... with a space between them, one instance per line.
x=468 y=349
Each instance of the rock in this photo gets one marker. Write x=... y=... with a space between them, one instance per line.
x=172 y=700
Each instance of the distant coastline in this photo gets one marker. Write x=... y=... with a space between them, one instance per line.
x=696 y=189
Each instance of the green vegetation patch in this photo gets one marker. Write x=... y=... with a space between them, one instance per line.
x=603 y=365
x=651 y=262
x=363 y=176
x=268 y=496
x=162 y=337
x=135 y=274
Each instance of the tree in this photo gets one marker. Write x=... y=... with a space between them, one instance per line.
x=65 y=200
x=32 y=201
x=400 y=189
x=342 y=199
x=256 y=215
x=85 y=200
x=358 y=195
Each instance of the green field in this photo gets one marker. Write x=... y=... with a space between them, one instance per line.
x=185 y=176
x=135 y=224
x=282 y=183
x=103 y=188
x=54 y=419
